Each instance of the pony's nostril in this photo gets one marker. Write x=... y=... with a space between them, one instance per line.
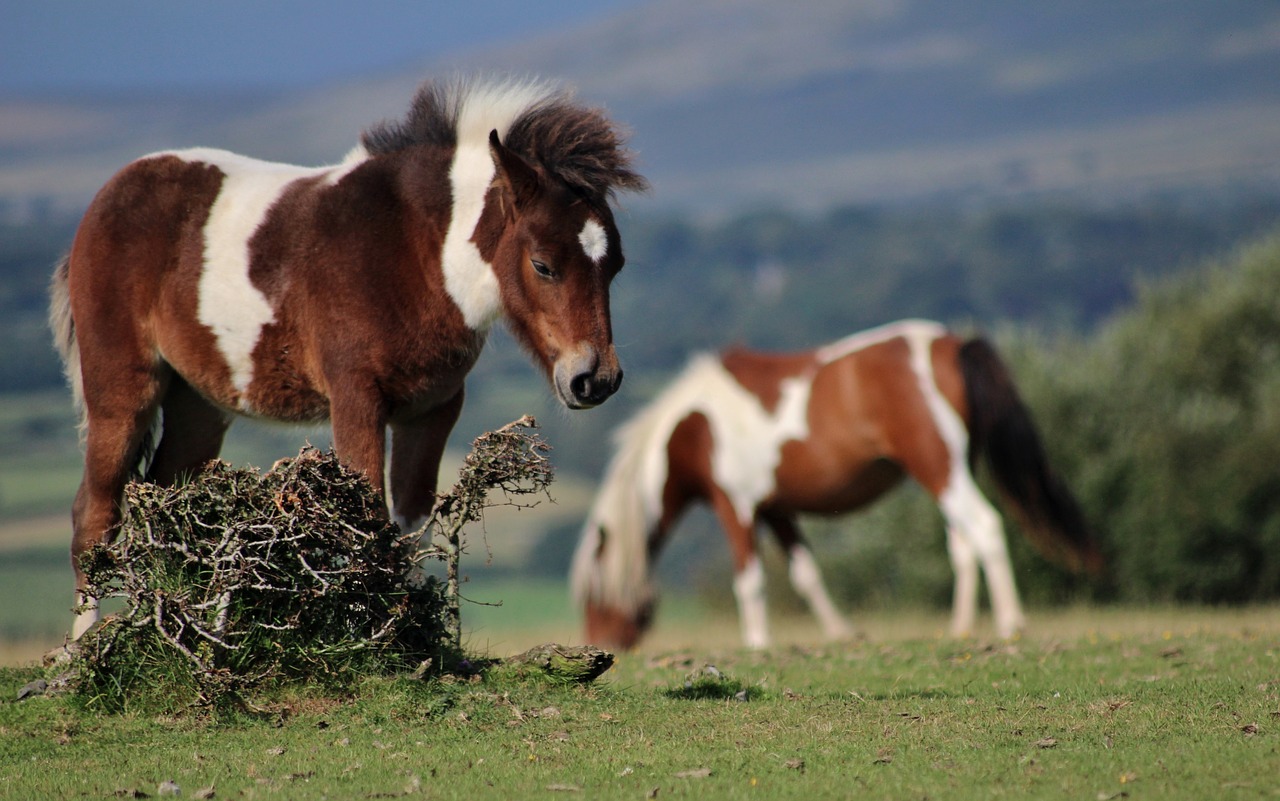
x=592 y=388
x=581 y=386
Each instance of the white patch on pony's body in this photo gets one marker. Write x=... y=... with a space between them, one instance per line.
x=595 y=242
x=950 y=427
x=747 y=439
x=229 y=304
x=468 y=278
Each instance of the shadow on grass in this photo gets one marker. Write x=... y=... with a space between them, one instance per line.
x=710 y=689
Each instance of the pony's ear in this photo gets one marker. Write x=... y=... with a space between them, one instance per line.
x=514 y=173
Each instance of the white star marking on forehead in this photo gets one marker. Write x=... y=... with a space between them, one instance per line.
x=594 y=240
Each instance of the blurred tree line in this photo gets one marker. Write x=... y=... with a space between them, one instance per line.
x=1149 y=355
x=1167 y=420
x=778 y=280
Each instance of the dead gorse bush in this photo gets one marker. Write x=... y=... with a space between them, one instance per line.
x=511 y=459
x=237 y=581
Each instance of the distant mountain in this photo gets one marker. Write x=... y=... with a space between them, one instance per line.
x=739 y=103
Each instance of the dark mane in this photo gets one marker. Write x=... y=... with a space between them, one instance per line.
x=578 y=144
x=575 y=143
x=432 y=120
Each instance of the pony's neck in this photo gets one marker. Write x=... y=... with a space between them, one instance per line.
x=469 y=279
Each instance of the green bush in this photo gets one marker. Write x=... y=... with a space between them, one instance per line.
x=1168 y=422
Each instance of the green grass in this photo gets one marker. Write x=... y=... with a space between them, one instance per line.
x=1097 y=704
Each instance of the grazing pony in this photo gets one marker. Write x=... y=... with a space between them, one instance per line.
x=203 y=284
x=762 y=437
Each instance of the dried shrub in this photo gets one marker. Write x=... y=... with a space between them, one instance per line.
x=511 y=459
x=237 y=580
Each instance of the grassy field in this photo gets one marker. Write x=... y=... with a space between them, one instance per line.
x=1093 y=704
x=1103 y=704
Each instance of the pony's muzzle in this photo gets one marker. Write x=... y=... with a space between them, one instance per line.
x=583 y=380
x=613 y=627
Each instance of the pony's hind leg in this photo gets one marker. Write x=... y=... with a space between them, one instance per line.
x=932 y=450
x=118 y=421
x=805 y=576
x=977 y=525
x=964 y=564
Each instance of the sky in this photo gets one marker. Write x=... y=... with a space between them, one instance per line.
x=59 y=46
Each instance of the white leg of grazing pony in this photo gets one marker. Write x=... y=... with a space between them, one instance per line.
x=978 y=524
x=748 y=588
x=807 y=580
x=964 y=564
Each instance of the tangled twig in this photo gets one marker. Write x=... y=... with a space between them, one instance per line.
x=512 y=459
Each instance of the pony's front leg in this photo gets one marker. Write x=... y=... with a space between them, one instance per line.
x=748 y=578
x=359 y=421
x=417 y=446
x=805 y=576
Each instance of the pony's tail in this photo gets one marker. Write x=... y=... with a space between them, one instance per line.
x=1001 y=429
x=64 y=334
x=64 y=339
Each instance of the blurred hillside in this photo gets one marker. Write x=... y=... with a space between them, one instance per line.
x=746 y=103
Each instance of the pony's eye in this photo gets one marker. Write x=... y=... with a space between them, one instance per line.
x=541 y=268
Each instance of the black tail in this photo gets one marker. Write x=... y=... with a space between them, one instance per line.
x=1001 y=429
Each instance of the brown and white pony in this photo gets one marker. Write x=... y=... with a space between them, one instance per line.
x=763 y=437
x=203 y=284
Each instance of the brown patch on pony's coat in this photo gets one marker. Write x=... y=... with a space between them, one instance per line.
x=762 y=374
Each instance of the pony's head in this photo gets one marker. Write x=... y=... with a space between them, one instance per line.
x=614 y=627
x=556 y=257
x=612 y=590
x=530 y=232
